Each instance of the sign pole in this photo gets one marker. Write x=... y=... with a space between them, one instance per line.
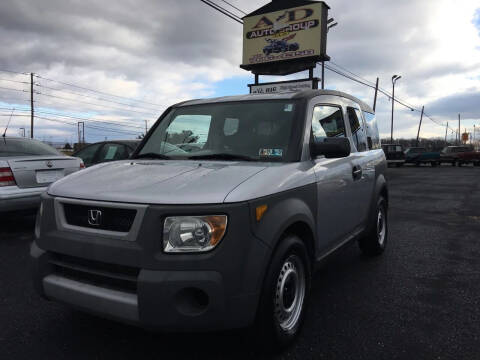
x=323 y=75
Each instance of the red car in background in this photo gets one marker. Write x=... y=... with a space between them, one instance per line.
x=459 y=155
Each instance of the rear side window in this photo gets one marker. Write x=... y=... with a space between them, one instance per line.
x=112 y=152
x=373 y=137
x=87 y=154
x=327 y=121
x=356 y=125
x=24 y=147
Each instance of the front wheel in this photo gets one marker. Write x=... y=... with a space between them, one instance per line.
x=375 y=239
x=283 y=301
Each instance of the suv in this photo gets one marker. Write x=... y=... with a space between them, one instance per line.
x=228 y=234
x=420 y=155
x=394 y=154
x=460 y=155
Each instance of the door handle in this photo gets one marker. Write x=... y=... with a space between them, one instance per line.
x=357 y=172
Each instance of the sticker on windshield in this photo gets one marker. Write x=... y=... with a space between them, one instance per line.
x=288 y=107
x=270 y=152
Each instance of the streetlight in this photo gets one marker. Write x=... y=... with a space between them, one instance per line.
x=330 y=24
x=394 y=79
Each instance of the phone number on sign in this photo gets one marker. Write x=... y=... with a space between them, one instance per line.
x=286 y=55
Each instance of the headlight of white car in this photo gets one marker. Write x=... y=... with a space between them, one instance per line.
x=193 y=233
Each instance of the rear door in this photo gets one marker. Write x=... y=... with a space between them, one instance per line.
x=337 y=213
x=361 y=161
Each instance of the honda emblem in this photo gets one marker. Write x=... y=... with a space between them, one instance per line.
x=94 y=217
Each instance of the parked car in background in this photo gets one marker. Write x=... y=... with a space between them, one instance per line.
x=394 y=154
x=27 y=167
x=106 y=151
x=420 y=155
x=459 y=155
x=227 y=236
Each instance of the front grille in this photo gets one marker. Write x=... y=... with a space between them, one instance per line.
x=111 y=219
x=110 y=276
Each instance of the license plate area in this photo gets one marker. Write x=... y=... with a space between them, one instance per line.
x=48 y=176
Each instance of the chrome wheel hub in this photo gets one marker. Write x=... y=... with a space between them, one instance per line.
x=381 y=226
x=290 y=293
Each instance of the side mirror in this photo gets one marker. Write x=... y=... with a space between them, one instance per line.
x=330 y=148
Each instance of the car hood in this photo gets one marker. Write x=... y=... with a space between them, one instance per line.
x=157 y=181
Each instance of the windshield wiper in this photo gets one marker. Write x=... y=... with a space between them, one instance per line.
x=222 y=156
x=152 y=155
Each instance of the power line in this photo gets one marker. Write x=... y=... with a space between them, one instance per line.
x=15 y=81
x=95 y=91
x=93 y=104
x=93 y=97
x=233 y=6
x=89 y=126
x=83 y=119
x=12 y=72
x=223 y=11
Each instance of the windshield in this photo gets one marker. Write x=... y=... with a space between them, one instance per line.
x=254 y=131
x=24 y=147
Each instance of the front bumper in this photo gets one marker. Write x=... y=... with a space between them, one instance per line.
x=13 y=198
x=135 y=282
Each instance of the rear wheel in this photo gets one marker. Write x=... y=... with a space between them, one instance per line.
x=283 y=302
x=375 y=239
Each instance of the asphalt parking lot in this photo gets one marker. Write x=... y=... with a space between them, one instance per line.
x=420 y=300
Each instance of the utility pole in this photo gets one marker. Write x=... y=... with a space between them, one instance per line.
x=146 y=127
x=31 y=105
x=81 y=133
x=420 y=125
x=459 y=131
x=375 y=97
x=446 y=130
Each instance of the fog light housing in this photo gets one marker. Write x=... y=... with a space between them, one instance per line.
x=183 y=234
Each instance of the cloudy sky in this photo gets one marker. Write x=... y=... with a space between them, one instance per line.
x=152 y=53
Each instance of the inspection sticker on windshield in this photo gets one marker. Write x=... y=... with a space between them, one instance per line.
x=288 y=107
x=270 y=152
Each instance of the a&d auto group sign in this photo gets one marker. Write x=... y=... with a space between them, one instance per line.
x=291 y=35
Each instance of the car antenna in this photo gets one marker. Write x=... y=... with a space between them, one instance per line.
x=8 y=123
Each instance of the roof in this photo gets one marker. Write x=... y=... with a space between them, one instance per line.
x=306 y=94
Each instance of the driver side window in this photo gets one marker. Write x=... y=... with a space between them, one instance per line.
x=327 y=121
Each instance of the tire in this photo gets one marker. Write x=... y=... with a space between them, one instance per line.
x=453 y=163
x=433 y=163
x=287 y=281
x=375 y=239
x=476 y=163
x=417 y=163
x=459 y=163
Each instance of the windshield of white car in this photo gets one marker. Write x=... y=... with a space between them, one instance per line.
x=244 y=131
x=24 y=147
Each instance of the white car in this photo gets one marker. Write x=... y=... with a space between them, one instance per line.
x=27 y=167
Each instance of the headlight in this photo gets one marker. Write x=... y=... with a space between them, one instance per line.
x=193 y=233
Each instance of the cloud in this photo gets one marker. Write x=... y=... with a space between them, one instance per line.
x=163 y=52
